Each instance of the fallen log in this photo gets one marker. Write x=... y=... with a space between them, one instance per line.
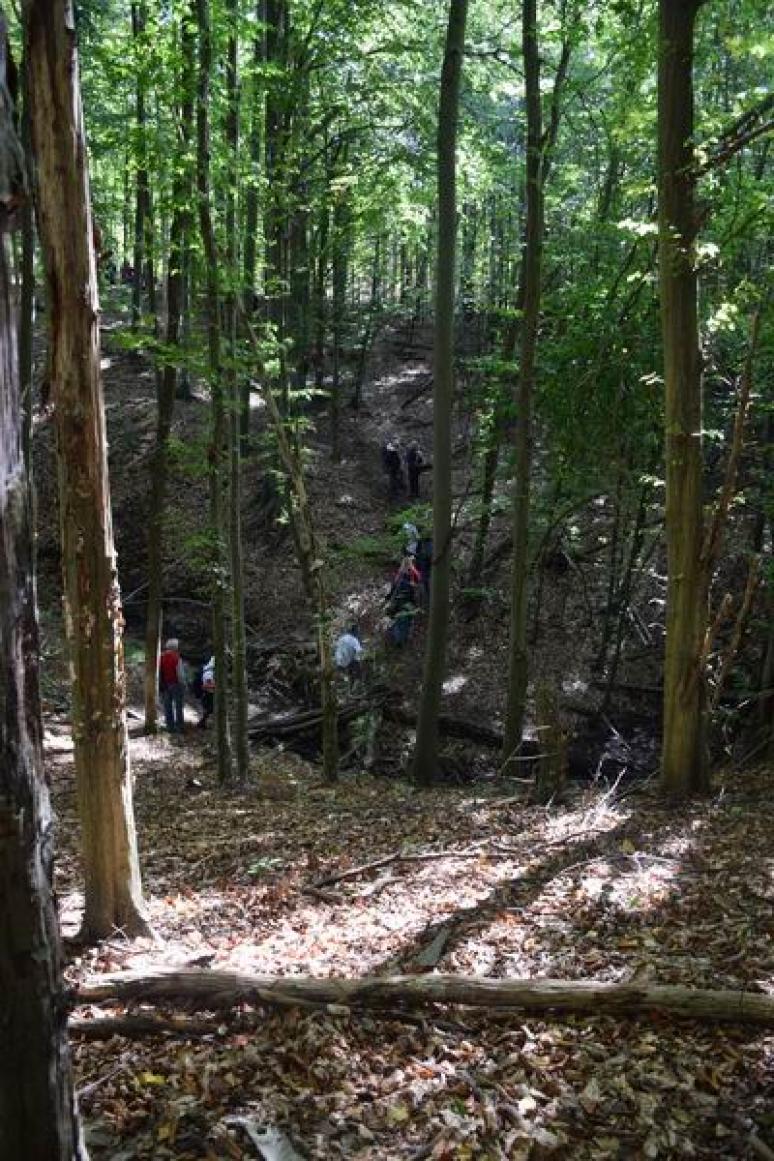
x=105 y=1027
x=205 y=988
x=450 y=726
x=301 y=721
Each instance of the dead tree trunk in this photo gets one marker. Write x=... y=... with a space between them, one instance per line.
x=93 y=615
x=37 y=1110
x=203 y=988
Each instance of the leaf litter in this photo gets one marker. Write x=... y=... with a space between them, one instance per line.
x=598 y=888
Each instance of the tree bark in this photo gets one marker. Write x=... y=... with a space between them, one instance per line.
x=217 y=437
x=250 y=245
x=518 y=669
x=340 y=258
x=684 y=758
x=142 y=187
x=205 y=988
x=426 y=752
x=93 y=614
x=238 y=633
x=27 y=298
x=167 y=389
x=37 y=1107
x=312 y=564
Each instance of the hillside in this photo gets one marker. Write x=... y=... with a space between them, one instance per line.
x=361 y=528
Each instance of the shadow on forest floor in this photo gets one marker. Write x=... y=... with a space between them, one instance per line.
x=597 y=888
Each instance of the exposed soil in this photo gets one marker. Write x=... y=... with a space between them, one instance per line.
x=361 y=529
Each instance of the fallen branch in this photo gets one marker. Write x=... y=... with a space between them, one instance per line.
x=423 y=388
x=214 y=989
x=395 y=857
x=760 y=1148
x=302 y=721
x=105 y=1027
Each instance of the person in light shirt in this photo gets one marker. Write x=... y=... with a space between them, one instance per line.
x=347 y=654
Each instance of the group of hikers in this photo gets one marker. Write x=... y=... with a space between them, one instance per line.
x=409 y=593
x=410 y=588
x=174 y=677
x=392 y=462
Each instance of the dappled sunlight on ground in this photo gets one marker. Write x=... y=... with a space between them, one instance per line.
x=290 y=878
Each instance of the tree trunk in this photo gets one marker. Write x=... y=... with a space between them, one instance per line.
x=320 y=308
x=495 y=435
x=217 y=437
x=276 y=49
x=312 y=564
x=341 y=241
x=203 y=988
x=252 y=207
x=37 y=1108
x=93 y=614
x=684 y=756
x=139 y=19
x=239 y=638
x=426 y=752
x=27 y=303
x=518 y=669
x=167 y=391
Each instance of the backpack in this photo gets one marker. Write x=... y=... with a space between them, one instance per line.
x=404 y=589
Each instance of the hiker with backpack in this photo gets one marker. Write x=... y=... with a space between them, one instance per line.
x=410 y=538
x=348 y=653
x=172 y=685
x=392 y=466
x=204 y=689
x=403 y=600
x=424 y=561
x=415 y=465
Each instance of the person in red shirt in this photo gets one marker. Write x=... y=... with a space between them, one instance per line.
x=172 y=685
x=403 y=600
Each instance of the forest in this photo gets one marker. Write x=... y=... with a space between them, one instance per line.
x=386 y=580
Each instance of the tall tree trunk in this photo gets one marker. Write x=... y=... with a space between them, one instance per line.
x=250 y=264
x=167 y=387
x=93 y=614
x=684 y=756
x=495 y=435
x=426 y=752
x=320 y=309
x=218 y=428
x=239 y=639
x=276 y=49
x=518 y=669
x=311 y=562
x=37 y=1107
x=141 y=189
x=27 y=303
x=341 y=223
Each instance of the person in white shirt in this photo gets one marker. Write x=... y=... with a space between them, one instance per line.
x=207 y=692
x=347 y=653
x=411 y=538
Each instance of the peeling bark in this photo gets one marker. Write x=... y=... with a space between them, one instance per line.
x=37 y=1108
x=93 y=614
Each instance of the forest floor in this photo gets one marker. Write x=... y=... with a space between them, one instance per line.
x=608 y=886
x=361 y=530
